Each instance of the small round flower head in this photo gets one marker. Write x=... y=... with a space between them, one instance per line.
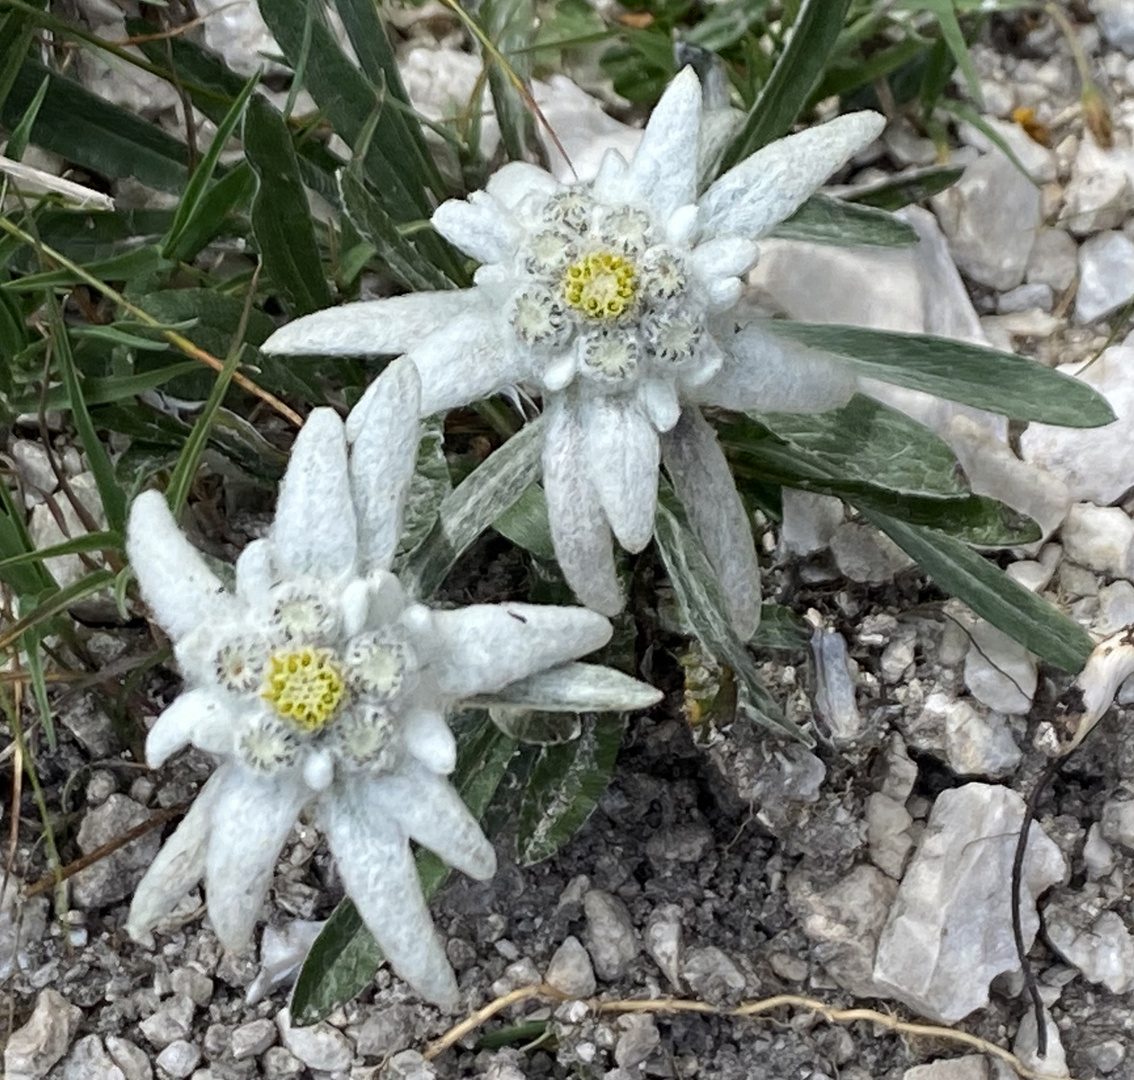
x=619 y=299
x=319 y=683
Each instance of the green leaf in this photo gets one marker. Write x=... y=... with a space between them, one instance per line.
x=565 y=785
x=703 y=607
x=57 y=602
x=22 y=569
x=526 y=524
x=18 y=142
x=281 y=220
x=993 y=595
x=795 y=75
x=473 y=506
x=510 y=25
x=95 y=541
x=112 y=388
x=823 y=220
x=344 y=957
x=536 y=728
x=911 y=188
x=92 y=133
x=972 y=374
x=780 y=628
x=212 y=216
x=112 y=496
x=430 y=486
x=945 y=14
x=193 y=197
x=129 y=266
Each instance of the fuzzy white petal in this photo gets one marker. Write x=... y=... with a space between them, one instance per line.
x=659 y=399
x=703 y=481
x=429 y=809
x=466 y=361
x=314 y=531
x=176 y=583
x=370 y=327
x=622 y=456
x=198 y=717
x=727 y=256
x=765 y=373
x=480 y=226
x=770 y=185
x=380 y=877
x=664 y=169
x=180 y=863
x=514 y=182
x=483 y=647
x=610 y=181
x=430 y=740
x=256 y=573
x=252 y=817
x=382 y=463
x=579 y=527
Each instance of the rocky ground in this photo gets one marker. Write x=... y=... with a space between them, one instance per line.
x=720 y=867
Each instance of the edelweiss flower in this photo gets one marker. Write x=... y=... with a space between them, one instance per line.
x=318 y=680
x=615 y=298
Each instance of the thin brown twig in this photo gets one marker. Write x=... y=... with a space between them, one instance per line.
x=162 y=817
x=749 y=1009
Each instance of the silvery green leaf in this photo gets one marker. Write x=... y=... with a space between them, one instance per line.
x=525 y=523
x=574 y=687
x=430 y=486
x=473 y=506
x=539 y=728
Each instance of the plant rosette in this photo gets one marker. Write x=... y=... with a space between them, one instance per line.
x=317 y=681
x=620 y=301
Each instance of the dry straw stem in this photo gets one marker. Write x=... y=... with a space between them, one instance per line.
x=749 y=1009
x=178 y=341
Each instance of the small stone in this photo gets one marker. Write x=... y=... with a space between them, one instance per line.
x=130 y=1058
x=282 y=950
x=1025 y=1046
x=1117 y=821
x=639 y=1039
x=969 y=1067
x=1100 y=538
x=1106 y=275
x=1116 y=21
x=179 y=1059
x=319 y=1046
x=949 y=933
x=973 y=743
x=1095 y=942
x=410 y=1065
x=711 y=975
x=864 y=555
x=100 y=787
x=999 y=672
x=887 y=825
x=570 y=970
x=43 y=1040
x=1098 y=196
x=610 y=935
x=252 y=1039
x=991 y=217
x=23 y=922
x=897 y=660
x=90 y=1061
x=1116 y=608
x=113 y=878
x=1098 y=856
x=385 y=1030
x=1106 y=1056
x=899 y=771
x=1025 y=298
x=682 y=844
x=789 y=968
x=173 y=1021
x=193 y=984
x=281 y=1064
x=809 y=521
x=1054 y=260
x=663 y=941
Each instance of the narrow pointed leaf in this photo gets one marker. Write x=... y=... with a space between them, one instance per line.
x=823 y=220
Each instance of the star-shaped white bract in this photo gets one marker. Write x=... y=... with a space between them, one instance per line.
x=316 y=680
x=618 y=300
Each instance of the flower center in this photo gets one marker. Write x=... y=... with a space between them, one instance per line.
x=602 y=285
x=304 y=685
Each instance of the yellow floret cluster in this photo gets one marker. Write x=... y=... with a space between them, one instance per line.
x=602 y=285
x=304 y=685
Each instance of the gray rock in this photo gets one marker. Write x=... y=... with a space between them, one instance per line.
x=281 y=1064
x=1106 y=275
x=835 y=703
x=897 y=660
x=999 y=672
x=1036 y=294
x=1100 y=538
x=683 y=844
x=282 y=950
x=809 y=521
x=991 y=217
x=179 y=1059
x=711 y=975
x=639 y=1039
x=570 y=970
x=663 y=941
x=43 y=1040
x=969 y=1067
x=22 y=923
x=319 y=1046
x=193 y=984
x=899 y=772
x=1098 y=196
x=252 y=1039
x=1106 y=1056
x=1039 y=161
x=410 y=1065
x=130 y=1058
x=1096 y=942
x=1054 y=260
x=844 y=921
x=949 y=933
x=173 y=1021
x=1117 y=821
x=864 y=555
x=89 y=1060
x=1098 y=856
x=113 y=878
x=1116 y=21
x=972 y=743
x=610 y=936
x=385 y=1030
x=887 y=825
x=1025 y=1046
